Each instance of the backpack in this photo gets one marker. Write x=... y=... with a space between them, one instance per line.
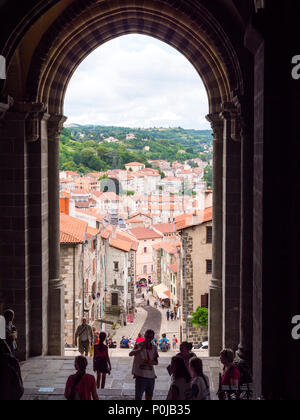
x=164 y=345
x=245 y=374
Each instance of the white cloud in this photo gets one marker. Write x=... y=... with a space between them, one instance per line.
x=137 y=81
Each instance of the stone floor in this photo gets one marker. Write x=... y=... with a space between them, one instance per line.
x=52 y=372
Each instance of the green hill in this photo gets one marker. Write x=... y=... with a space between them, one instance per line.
x=99 y=148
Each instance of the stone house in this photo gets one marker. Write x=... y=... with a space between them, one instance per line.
x=80 y=273
x=195 y=271
x=120 y=267
x=166 y=262
x=147 y=238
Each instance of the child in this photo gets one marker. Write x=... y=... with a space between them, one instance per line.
x=200 y=383
x=102 y=363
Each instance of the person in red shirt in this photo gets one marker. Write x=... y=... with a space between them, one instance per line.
x=231 y=374
x=81 y=386
x=140 y=339
x=102 y=363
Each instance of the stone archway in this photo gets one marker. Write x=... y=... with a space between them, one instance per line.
x=54 y=51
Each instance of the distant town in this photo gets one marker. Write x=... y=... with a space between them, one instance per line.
x=139 y=226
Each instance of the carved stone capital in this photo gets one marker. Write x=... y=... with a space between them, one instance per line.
x=33 y=113
x=217 y=125
x=55 y=126
x=232 y=114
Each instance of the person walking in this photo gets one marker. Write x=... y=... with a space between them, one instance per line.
x=174 y=342
x=145 y=358
x=84 y=337
x=102 y=364
x=172 y=315
x=180 y=389
x=81 y=386
x=200 y=382
x=168 y=314
x=175 y=315
x=11 y=330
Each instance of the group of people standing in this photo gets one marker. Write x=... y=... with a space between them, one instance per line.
x=188 y=380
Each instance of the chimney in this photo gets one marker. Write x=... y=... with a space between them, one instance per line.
x=65 y=205
x=208 y=199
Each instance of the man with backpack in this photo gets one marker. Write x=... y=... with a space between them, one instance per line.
x=85 y=337
x=164 y=343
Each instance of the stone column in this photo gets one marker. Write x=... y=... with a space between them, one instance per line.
x=215 y=287
x=37 y=172
x=231 y=226
x=246 y=271
x=56 y=289
x=19 y=247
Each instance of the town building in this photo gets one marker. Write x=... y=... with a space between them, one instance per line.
x=146 y=237
x=120 y=273
x=195 y=271
x=80 y=273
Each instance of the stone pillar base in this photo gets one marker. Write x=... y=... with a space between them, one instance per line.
x=56 y=335
x=215 y=320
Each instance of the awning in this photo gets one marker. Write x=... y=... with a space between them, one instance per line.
x=163 y=296
x=162 y=292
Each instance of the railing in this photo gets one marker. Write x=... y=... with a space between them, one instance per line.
x=239 y=392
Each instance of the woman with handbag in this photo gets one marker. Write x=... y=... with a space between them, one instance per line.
x=102 y=363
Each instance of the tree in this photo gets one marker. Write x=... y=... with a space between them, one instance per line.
x=200 y=317
x=208 y=176
x=69 y=166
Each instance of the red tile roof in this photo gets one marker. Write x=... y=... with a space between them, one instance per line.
x=144 y=233
x=72 y=230
x=122 y=240
x=92 y=232
x=165 y=227
x=189 y=220
x=135 y=164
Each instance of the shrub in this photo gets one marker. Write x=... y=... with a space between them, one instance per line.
x=200 y=317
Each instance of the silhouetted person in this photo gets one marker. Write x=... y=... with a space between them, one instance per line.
x=81 y=386
x=11 y=330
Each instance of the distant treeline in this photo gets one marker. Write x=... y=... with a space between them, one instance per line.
x=97 y=148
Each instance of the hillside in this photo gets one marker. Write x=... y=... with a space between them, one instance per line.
x=99 y=148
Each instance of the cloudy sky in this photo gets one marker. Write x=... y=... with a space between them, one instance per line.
x=137 y=81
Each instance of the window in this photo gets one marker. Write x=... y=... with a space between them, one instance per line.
x=204 y=300
x=145 y=250
x=116 y=266
x=209 y=234
x=208 y=266
x=114 y=299
x=145 y=269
